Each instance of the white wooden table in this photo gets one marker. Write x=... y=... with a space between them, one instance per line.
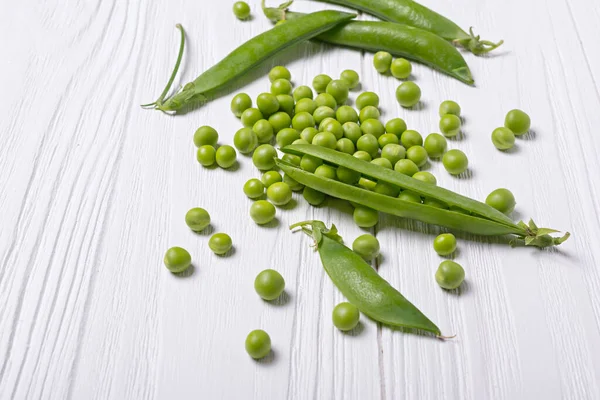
x=93 y=190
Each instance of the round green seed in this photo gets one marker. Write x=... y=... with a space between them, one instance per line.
x=264 y=157
x=345 y=145
x=502 y=200
x=302 y=121
x=269 y=284
x=350 y=77
x=382 y=162
x=325 y=139
x=271 y=177
x=313 y=197
x=450 y=275
x=177 y=259
x=387 y=138
x=372 y=127
x=436 y=145
x=368 y=112
x=281 y=86
x=345 y=316
x=306 y=105
x=347 y=175
x=362 y=155
x=262 y=212
x=220 y=243
x=264 y=130
x=408 y=94
x=279 y=193
x=369 y=144
x=445 y=244
x=449 y=107
x=411 y=138
x=393 y=153
x=225 y=156
x=352 y=131
x=518 y=122
x=206 y=155
x=279 y=72
x=279 y=121
x=339 y=90
x=406 y=167
x=320 y=83
x=254 y=188
x=346 y=114
x=366 y=246
x=258 y=344
x=245 y=140
x=206 y=135
x=286 y=136
x=450 y=125
x=365 y=217
x=241 y=10
x=303 y=92
x=397 y=126
x=308 y=134
x=425 y=176
x=240 y=103
x=367 y=99
x=250 y=117
x=418 y=155
x=382 y=61
x=455 y=161
x=323 y=112
x=503 y=138
x=401 y=68
x=326 y=100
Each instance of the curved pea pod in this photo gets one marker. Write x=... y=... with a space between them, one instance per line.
x=361 y=284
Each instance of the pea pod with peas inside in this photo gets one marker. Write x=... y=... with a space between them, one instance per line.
x=361 y=284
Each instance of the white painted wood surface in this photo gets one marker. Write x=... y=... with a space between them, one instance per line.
x=93 y=190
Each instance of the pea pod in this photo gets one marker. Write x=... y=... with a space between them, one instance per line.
x=361 y=284
x=411 y=13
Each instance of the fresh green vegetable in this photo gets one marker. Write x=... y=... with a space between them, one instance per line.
x=449 y=107
x=325 y=139
x=367 y=99
x=334 y=127
x=279 y=72
x=345 y=316
x=220 y=243
x=382 y=162
x=326 y=171
x=450 y=125
x=369 y=144
x=313 y=197
x=401 y=68
x=503 y=138
x=206 y=155
x=258 y=344
x=436 y=145
x=264 y=157
x=264 y=130
x=245 y=140
x=387 y=189
x=197 y=219
x=267 y=103
x=350 y=77
x=286 y=136
x=408 y=94
x=281 y=86
x=177 y=259
x=412 y=197
x=254 y=188
x=310 y=163
x=303 y=92
x=279 y=193
x=345 y=145
x=366 y=246
x=518 y=122
x=393 y=153
x=387 y=138
x=397 y=126
x=292 y=183
x=346 y=114
x=368 y=112
x=323 y=112
x=292 y=159
x=365 y=217
x=225 y=156
x=286 y=103
x=382 y=61
x=410 y=138
x=502 y=200
x=241 y=10
x=425 y=176
x=339 y=90
x=306 y=105
x=445 y=244
x=320 y=83
x=362 y=155
x=372 y=127
x=406 y=167
x=302 y=121
x=418 y=155
x=450 y=275
x=279 y=121
x=270 y=177
x=251 y=116
x=455 y=161
x=206 y=135
x=366 y=184
x=240 y=103
x=269 y=284
x=347 y=175
x=308 y=134
x=262 y=212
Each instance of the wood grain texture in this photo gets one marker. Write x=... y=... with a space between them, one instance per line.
x=93 y=190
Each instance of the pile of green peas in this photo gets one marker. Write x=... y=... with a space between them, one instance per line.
x=205 y=139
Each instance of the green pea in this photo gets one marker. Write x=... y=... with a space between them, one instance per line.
x=225 y=156
x=325 y=122
x=413 y=197
x=401 y=68
x=281 y=86
x=292 y=183
x=323 y=112
x=308 y=134
x=393 y=153
x=206 y=155
x=362 y=155
x=292 y=159
x=387 y=189
x=326 y=100
x=339 y=90
x=306 y=105
x=382 y=162
x=366 y=246
x=411 y=138
x=302 y=121
x=279 y=72
x=397 y=126
x=406 y=167
x=450 y=125
x=326 y=171
x=345 y=145
x=436 y=145
x=352 y=131
x=373 y=127
x=345 y=317
x=450 y=275
x=369 y=144
x=206 y=135
x=220 y=243
x=367 y=99
x=263 y=130
x=502 y=200
x=177 y=259
x=254 y=188
x=197 y=219
x=262 y=212
x=320 y=83
x=518 y=122
x=445 y=244
x=240 y=103
x=264 y=157
x=346 y=114
x=455 y=161
x=347 y=175
x=258 y=344
x=387 y=138
x=366 y=184
x=245 y=140
x=286 y=103
x=267 y=103
x=449 y=107
x=334 y=127
x=286 y=136
x=350 y=77
x=367 y=113
x=269 y=284
x=418 y=155
x=408 y=94
x=279 y=193
x=303 y=92
x=279 y=121
x=382 y=61
x=503 y=138
x=313 y=197
x=250 y=117
x=365 y=217
x=241 y=10
x=435 y=203
x=425 y=176
x=310 y=163
x=325 y=139
x=271 y=177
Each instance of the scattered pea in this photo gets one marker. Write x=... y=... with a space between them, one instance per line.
x=418 y=155
x=455 y=161
x=345 y=145
x=262 y=212
x=387 y=189
x=264 y=157
x=450 y=275
x=346 y=114
x=406 y=167
x=206 y=135
x=286 y=137
x=345 y=316
x=366 y=246
x=412 y=197
x=332 y=126
x=369 y=144
x=350 y=77
x=425 y=176
x=279 y=193
x=373 y=127
x=308 y=134
x=401 y=68
x=177 y=259
x=362 y=155
x=267 y=103
x=292 y=159
x=245 y=140
x=279 y=72
x=397 y=126
x=382 y=61
x=286 y=103
x=408 y=94
x=220 y=243
x=347 y=175
x=250 y=117
x=436 y=145
x=502 y=200
x=197 y=219
x=365 y=217
x=369 y=112
x=281 y=86
x=326 y=100
x=241 y=10
x=206 y=155
x=503 y=138
x=450 y=125
x=269 y=284
x=393 y=153
x=258 y=344
x=279 y=121
x=264 y=130
x=254 y=188
x=387 y=138
x=320 y=83
x=326 y=171
x=445 y=244
x=225 y=156
x=302 y=121
x=518 y=122
x=323 y=112
x=382 y=162
x=367 y=99
x=325 y=139
x=303 y=92
x=449 y=107
x=313 y=197
x=411 y=138
x=270 y=177
x=240 y=103
x=339 y=90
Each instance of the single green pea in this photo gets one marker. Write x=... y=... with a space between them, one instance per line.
x=241 y=10
x=352 y=131
x=373 y=127
x=262 y=212
x=407 y=195
x=387 y=189
x=406 y=167
x=362 y=155
x=450 y=275
x=250 y=117
x=300 y=141
x=411 y=138
x=347 y=175
x=450 y=125
x=366 y=184
x=225 y=156
x=206 y=155
x=323 y=112
x=281 y=86
x=206 y=135
x=445 y=244
x=435 y=203
x=366 y=246
x=197 y=219
x=245 y=140
x=408 y=94
x=339 y=90
x=350 y=77
x=401 y=68
x=279 y=72
x=292 y=183
x=382 y=162
x=334 y=127
x=310 y=163
x=436 y=145
x=503 y=138
x=326 y=171
x=325 y=122
x=345 y=317
x=320 y=83
x=397 y=126
x=382 y=61
x=306 y=105
x=279 y=121
x=269 y=284
x=220 y=243
x=346 y=114
x=367 y=113
x=286 y=103
x=502 y=200
x=177 y=259
x=279 y=193
x=302 y=121
x=292 y=159
x=387 y=138
x=263 y=130
x=271 y=177
x=254 y=188
x=258 y=344
x=325 y=139
x=367 y=99
x=240 y=103
x=455 y=161
x=267 y=103
x=313 y=197
x=264 y=157
x=425 y=176
x=369 y=144
x=393 y=153
x=308 y=134
x=518 y=122
x=326 y=100
x=449 y=107
x=345 y=145
x=365 y=217
x=286 y=136
x=303 y=92
x=418 y=155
